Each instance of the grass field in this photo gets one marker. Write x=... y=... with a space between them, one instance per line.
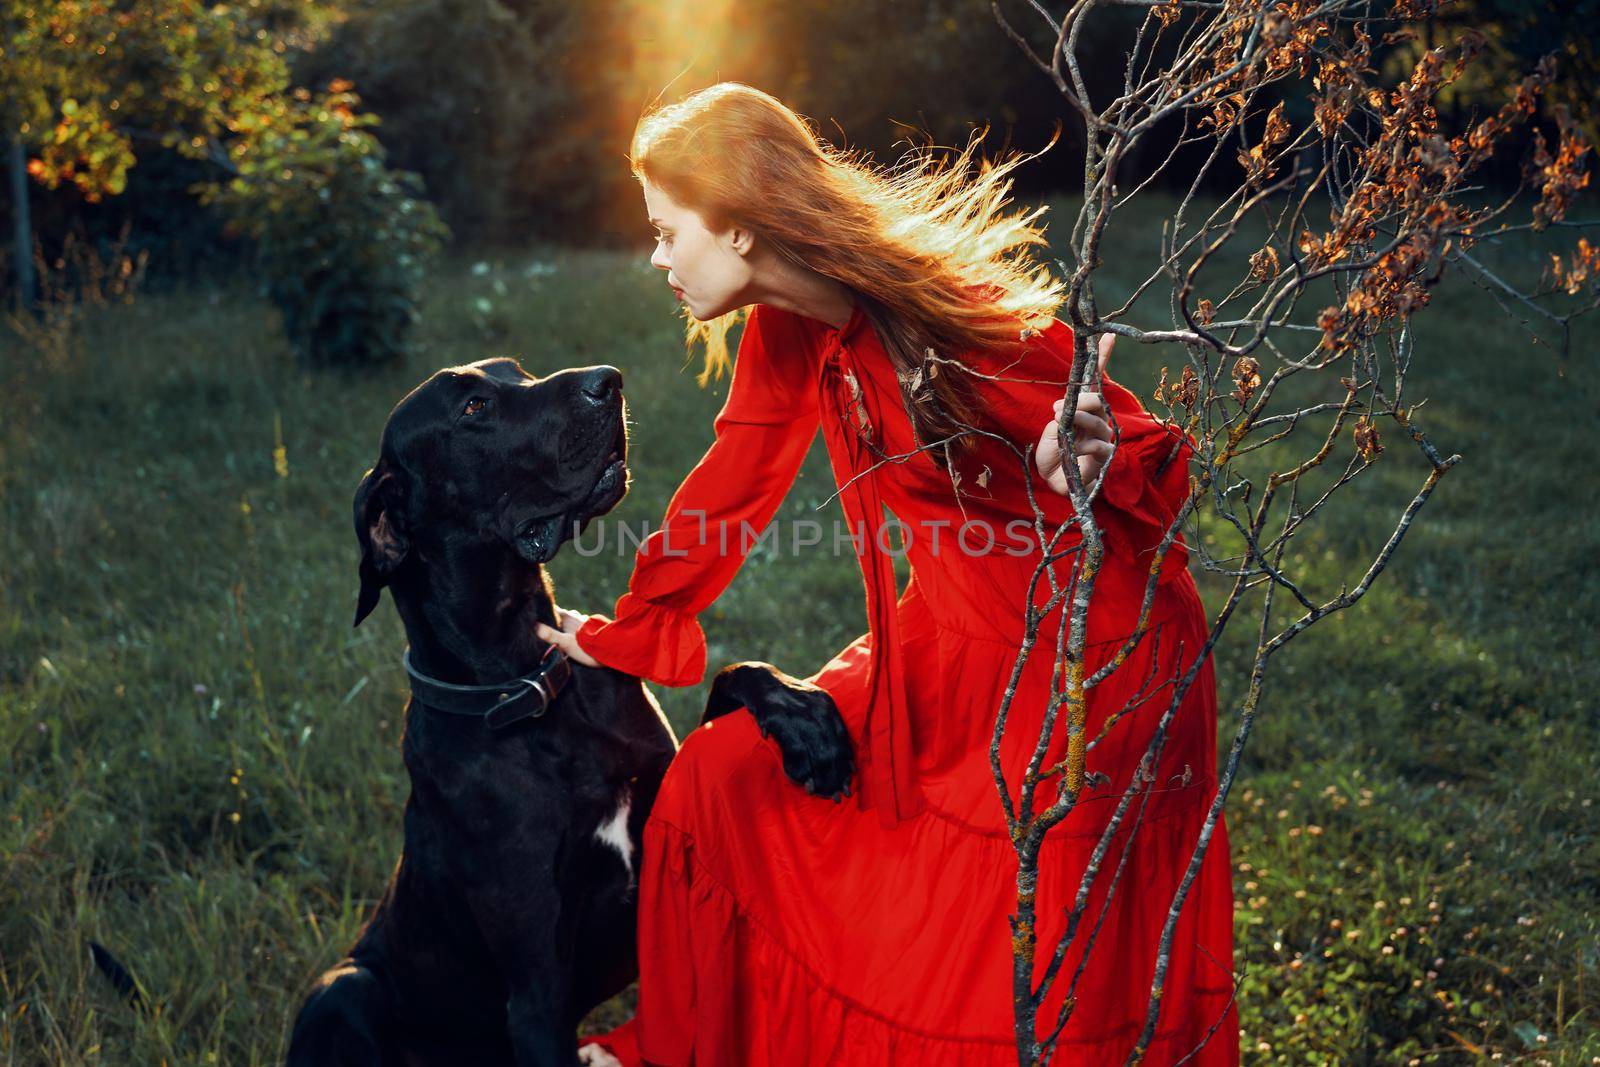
x=198 y=756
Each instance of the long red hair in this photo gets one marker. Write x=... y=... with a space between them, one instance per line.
x=937 y=262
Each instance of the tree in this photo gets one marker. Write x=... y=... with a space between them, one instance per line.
x=91 y=85
x=1282 y=99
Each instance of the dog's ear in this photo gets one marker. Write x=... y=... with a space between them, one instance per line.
x=380 y=531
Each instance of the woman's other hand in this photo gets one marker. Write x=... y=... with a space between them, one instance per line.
x=1092 y=443
x=567 y=638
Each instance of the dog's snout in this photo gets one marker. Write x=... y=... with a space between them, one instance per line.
x=602 y=383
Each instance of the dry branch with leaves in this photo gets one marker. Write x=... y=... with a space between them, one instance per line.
x=1290 y=298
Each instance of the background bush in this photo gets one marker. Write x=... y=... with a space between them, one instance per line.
x=341 y=240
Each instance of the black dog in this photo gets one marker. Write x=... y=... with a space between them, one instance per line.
x=511 y=912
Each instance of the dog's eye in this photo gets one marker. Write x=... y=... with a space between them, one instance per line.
x=473 y=405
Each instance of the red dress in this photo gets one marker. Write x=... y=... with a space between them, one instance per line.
x=776 y=927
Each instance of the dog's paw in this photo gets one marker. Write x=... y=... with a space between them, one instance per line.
x=799 y=716
x=810 y=733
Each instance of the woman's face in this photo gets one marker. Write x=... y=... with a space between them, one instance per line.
x=709 y=269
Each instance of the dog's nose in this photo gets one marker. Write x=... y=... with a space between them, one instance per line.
x=601 y=383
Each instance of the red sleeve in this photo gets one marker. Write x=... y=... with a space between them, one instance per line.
x=763 y=432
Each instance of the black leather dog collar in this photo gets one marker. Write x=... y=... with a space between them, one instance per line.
x=497 y=705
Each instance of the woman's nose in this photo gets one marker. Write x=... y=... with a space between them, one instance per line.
x=658 y=259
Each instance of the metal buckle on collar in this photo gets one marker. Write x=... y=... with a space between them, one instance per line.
x=513 y=700
x=506 y=711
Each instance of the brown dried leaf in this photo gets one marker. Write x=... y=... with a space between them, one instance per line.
x=1247 y=378
x=858 y=407
x=1366 y=436
x=1264 y=264
x=1189 y=388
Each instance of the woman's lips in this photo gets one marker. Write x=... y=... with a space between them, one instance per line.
x=677 y=293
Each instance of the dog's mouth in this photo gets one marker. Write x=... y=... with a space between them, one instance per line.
x=612 y=480
x=618 y=453
x=537 y=540
x=608 y=489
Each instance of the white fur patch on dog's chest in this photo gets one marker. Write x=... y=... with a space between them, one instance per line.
x=614 y=831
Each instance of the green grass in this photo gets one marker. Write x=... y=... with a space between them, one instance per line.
x=200 y=756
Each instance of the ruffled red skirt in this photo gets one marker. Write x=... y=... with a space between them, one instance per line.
x=780 y=928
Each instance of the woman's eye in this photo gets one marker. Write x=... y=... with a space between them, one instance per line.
x=473 y=406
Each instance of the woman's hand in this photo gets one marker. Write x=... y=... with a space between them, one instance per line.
x=1092 y=443
x=567 y=638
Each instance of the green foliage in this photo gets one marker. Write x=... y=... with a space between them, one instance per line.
x=89 y=83
x=1389 y=920
x=47 y=68
x=341 y=239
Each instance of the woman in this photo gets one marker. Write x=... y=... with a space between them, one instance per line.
x=778 y=927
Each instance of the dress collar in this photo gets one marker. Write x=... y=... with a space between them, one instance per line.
x=836 y=337
x=856 y=322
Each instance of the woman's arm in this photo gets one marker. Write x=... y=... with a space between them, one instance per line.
x=715 y=517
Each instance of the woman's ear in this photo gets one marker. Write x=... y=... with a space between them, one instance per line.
x=742 y=239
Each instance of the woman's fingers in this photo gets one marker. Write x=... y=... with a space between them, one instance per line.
x=1097 y=450
x=1047 y=457
x=1090 y=426
x=1087 y=401
x=1092 y=454
x=566 y=639
x=1087 y=421
x=1106 y=341
x=1091 y=434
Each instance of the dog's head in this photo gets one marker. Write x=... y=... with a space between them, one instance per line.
x=486 y=453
